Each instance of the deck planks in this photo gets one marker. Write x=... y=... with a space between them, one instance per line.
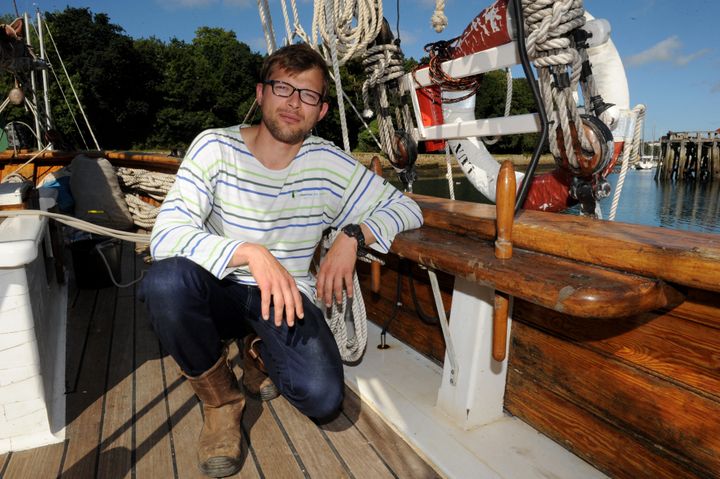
x=116 y=446
x=318 y=457
x=274 y=456
x=392 y=448
x=133 y=414
x=45 y=463
x=361 y=458
x=85 y=404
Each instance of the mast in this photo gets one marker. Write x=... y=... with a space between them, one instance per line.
x=33 y=83
x=44 y=73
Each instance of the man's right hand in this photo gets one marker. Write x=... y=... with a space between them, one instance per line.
x=275 y=283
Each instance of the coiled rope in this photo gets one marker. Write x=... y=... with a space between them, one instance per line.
x=348 y=320
x=559 y=64
x=153 y=184
x=354 y=25
x=383 y=63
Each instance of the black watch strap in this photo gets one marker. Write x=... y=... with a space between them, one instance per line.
x=354 y=231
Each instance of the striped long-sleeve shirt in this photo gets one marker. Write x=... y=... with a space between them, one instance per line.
x=223 y=196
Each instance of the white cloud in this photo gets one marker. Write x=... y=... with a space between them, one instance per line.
x=684 y=60
x=667 y=50
x=660 y=52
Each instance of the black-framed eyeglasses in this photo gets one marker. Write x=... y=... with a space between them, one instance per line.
x=286 y=90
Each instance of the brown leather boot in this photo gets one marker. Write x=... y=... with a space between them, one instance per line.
x=220 y=441
x=255 y=379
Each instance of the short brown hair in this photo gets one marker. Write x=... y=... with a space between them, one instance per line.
x=296 y=58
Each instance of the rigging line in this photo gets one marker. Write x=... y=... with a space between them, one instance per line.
x=17 y=12
x=72 y=87
x=27 y=162
x=67 y=103
x=397 y=24
x=530 y=78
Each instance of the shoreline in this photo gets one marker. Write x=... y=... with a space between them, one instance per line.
x=430 y=163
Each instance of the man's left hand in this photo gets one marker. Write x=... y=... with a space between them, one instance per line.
x=337 y=269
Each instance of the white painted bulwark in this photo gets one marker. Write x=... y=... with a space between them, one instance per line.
x=402 y=386
x=476 y=398
x=33 y=314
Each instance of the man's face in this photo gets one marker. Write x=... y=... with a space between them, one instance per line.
x=289 y=119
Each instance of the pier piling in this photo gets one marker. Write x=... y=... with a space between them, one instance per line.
x=690 y=156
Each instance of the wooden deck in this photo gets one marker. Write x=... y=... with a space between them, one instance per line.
x=131 y=414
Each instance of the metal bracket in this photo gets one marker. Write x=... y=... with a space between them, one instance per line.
x=449 y=349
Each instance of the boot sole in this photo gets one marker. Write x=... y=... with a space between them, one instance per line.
x=267 y=393
x=221 y=466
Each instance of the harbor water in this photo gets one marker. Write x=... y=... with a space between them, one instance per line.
x=690 y=206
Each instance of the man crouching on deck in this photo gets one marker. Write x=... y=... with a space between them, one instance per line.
x=233 y=245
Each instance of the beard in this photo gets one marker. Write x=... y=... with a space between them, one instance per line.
x=285 y=134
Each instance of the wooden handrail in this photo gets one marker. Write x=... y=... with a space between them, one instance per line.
x=688 y=259
x=571 y=287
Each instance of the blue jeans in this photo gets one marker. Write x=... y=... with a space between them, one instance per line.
x=192 y=312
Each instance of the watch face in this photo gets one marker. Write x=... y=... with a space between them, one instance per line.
x=355 y=231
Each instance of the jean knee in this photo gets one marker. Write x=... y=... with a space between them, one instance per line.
x=173 y=279
x=172 y=286
x=321 y=395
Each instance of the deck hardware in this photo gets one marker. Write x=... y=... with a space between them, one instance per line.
x=503 y=250
x=449 y=348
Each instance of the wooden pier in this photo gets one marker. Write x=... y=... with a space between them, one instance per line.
x=690 y=156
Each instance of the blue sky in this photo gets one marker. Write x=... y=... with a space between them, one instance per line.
x=670 y=49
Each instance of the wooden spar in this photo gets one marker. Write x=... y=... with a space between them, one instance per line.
x=376 y=168
x=503 y=250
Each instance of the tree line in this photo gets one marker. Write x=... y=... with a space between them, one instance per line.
x=149 y=94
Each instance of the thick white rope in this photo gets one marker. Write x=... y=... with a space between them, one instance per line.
x=288 y=31
x=547 y=23
x=448 y=171
x=382 y=63
x=299 y=31
x=354 y=25
x=81 y=225
x=350 y=343
x=630 y=150
x=266 y=22
x=332 y=41
x=508 y=103
x=438 y=20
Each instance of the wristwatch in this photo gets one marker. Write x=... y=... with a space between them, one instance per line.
x=354 y=231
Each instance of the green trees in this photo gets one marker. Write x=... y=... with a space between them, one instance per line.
x=111 y=76
x=149 y=94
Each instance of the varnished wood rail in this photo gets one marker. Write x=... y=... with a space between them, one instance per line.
x=571 y=287
x=679 y=257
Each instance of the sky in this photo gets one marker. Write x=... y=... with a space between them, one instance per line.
x=670 y=49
